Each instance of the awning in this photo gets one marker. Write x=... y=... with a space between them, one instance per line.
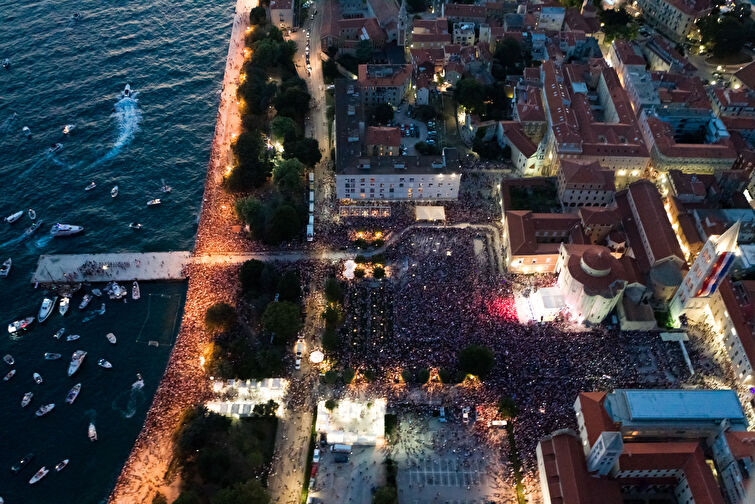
x=430 y=213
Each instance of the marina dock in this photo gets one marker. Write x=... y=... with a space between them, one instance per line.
x=68 y=268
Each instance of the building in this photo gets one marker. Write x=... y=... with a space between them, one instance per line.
x=551 y=18
x=707 y=272
x=585 y=184
x=430 y=34
x=384 y=83
x=382 y=140
x=532 y=240
x=674 y=18
x=625 y=57
x=662 y=56
x=523 y=150
x=282 y=13
x=464 y=34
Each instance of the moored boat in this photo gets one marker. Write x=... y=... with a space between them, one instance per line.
x=114 y=191
x=111 y=338
x=85 y=301
x=14 y=217
x=154 y=202
x=58 y=230
x=20 y=325
x=45 y=409
x=38 y=378
x=61 y=465
x=8 y=359
x=26 y=399
x=39 y=475
x=5 y=268
x=135 y=292
x=96 y=292
x=72 y=337
x=76 y=359
x=52 y=356
x=92 y=432
x=59 y=333
x=21 y=463
x=31 y=213
x=73 y=393
x=10 y=375
x=104 y=364
x=46 y=308
x=65 y=303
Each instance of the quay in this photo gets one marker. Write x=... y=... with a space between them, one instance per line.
x=68 y=268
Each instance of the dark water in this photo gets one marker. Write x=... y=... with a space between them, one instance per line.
x=65 y=71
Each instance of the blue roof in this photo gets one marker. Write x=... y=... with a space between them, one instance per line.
x=645 y=405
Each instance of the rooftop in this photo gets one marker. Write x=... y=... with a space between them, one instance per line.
x=632 y=406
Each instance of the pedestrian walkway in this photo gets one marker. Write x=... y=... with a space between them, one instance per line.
x=121 y=267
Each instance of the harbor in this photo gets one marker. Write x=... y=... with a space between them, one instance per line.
x=122 y=267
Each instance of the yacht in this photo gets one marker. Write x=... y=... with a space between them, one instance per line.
x=39 y=475
x=14 y=217
x=8 y=359
x=60 y=332
x=68 y=128
x=135 y=292
x=76 y=359
x=43 y=410
x=31 y=213
x=20 y=325
x=5 y=268
x=73 y=393
x=91 y=186
x=165 y=187
x=65 y=230
x=27 y=399
x=56 y=147
x=61 y=465
x=127 y=92
x=46 y=309
x=154 y=202
x=92 y=432
x=38 y=378
x=114 y=191
x=52 y=356
x=26 y=131
x=72 y=337
x=10 y=375
x=135 y=225
x=65 y=303
x=21 y=463
x=105 y=364
x=33 y=228
x=111 y=338
x=85 y=302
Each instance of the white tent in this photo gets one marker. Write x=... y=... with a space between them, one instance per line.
x=430 y=213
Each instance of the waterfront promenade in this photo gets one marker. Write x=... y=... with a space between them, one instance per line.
x=184 y=383
x=121 y=267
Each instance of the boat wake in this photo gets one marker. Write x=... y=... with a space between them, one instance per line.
x=8 y=123
x=128 y=116
x=13 y=241
x=127 y=403
x=43 y=241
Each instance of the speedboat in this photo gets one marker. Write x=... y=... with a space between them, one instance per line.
x=65 y=230
x=6 y=63
x=91 y=186
x=72 y=337
x=43 y=410
x=61 y=465
x=33 y=228
x=85 y=302
x=65 y=303
x=56 y=147
x=135 y=225
x=154 y=202
x=76 y=359
x=8 y=359
x=20 y=325
x=68 y=128
x=39 y=474
x=60 y=332
x=46 y=309
x=31 y=213
x=97 y=292
x=27 y=399
x=114 y=191
x=127 y=92
x=76 y=16
x=139 y=383
x=92 y=432
x=52 y=356
x=135 y=292
x=26 y=131
x=5 y=268
x=21 y=463
x=10 y=375
x=14 y=217
x=38 y=378
x=165 y=187
x=104 y=364
x=111 y=338
x=73 y=393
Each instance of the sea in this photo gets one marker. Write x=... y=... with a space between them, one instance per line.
x=68 y=69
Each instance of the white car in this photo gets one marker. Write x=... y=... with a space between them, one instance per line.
x=298 y=363
x=465 y=414
x=316 y=456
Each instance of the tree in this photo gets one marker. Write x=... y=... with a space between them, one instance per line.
x=618 y=23
x=249 y=275
x=258 y=16
x=282 y=319
x=385 y=495
x=332 y=316
x=507 y=407
x=378 y=272
x=288 y=287
x=383 y=113
x=283 y=129
x=220 y=317
x=287 y=176
x=363 y=51
x=423 y=375
x=249 y=492
x=359 y=273
x=306 y=150
x=476 y=360
x=253 y=213
x=269 y=278
x=188 y=497
x=293 y=102
x=331 y=376
x=330 y=404
x=471 y=95
x=266 y=53
x=330 y=341
x=330 y=70
x=283 y=225
x=348 y=375
x=159 y=498
x=414 y=6
x=509 y=59
x=333 y=290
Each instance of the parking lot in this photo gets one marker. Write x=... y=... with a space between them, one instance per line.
x=401 y=117
x=352 y=481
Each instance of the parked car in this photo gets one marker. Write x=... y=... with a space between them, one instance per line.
x=316 y=456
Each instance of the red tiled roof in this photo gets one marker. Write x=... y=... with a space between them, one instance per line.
x=599 y=216
x=464 y=11
x=523 y=224
x=663 y=137
x=513 y=132
x=683 y=89
x=281 y=4
x=398 y=77
x=385 y=11
x=627 y=54
x=653 y=219
x=744 y=331
x=741 y=444
x=747 y=75
x=596 y=418
x=739 y=123
x=587 y=173
x=383 y=135
x=598 y=258
x=685 y=183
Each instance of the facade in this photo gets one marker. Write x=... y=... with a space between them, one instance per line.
x=464 y=34
x=551 y=18
x=384 y=83
x=523 y=151
x=585 y=184
x=282 y=13
x=674 y=18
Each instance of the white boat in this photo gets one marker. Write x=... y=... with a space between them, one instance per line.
x=43 y=410
x=33 y=228
x=59 y=333
x=10 y=375
x=111 y=338
x=5 y=268
x=139 y=383
x=165 y=187
x=154 y=202
x=38 y=378
x=85 y=301
x=14 y=217
x=8 y=359
x=114 y=191
x=135 y=292
x=65 y=303
x=104 y=364
x=39 y=475
x=31 y=213
x=20 y=325
x=26 y=131
x=135 y=225
x=73 y=393
x=127 y=92
x=72 y=337
x=46 y=309
x=97 y=292
x=56 y=147
x=61 y=465
x=92 y=432
x=22 y=463
x=76 y=359
x=52 y=356
x=65 y=230
x=68 y=128
x=6 y=63
x=26 y=399
x=91 y=186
